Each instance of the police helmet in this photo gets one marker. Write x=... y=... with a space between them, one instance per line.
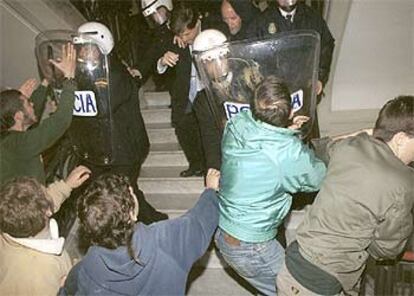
x=96 y=33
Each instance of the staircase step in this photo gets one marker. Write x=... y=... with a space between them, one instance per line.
x=162 y=135
x=165 y=172
x=177 y=203
x=207 y=281
x=164 y=147
x=171 y=185
x=153 y=98
x=165 y=158
x=156 y=114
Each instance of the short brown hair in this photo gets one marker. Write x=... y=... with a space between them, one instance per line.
x=183 y=18
x=395 y=116
x=10 y=103
x=23 y=207
x=272 y=103
x=104 y=212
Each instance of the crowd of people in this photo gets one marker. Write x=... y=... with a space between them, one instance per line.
x=253 y=163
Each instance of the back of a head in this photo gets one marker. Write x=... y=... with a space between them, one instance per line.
x=183 y=17
x=271 y=102
x=395 y=116
x=23 y=207
x=104 y=212
x=10 y=103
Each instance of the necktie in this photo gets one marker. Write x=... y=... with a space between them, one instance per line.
x=289 y=18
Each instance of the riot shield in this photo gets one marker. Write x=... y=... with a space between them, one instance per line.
x=231 y=72
x=91 y=128
x=49 y=46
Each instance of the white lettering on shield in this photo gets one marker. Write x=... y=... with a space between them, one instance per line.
x=232 y=109
x=85 y=104
x=297 y=100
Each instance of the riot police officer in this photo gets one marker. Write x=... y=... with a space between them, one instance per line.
x=113 y=139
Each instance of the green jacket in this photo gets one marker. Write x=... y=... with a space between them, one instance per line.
x=20 y=152
x=364 y=207
x=262 y=165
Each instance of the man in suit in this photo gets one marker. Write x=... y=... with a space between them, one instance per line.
x=187 y=95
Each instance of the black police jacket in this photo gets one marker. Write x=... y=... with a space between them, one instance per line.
x=272 y=22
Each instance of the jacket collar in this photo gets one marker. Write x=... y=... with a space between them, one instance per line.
x=53 y=244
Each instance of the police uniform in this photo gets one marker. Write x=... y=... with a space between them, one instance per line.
x=305 y=18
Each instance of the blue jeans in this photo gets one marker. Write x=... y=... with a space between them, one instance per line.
x=258 y=263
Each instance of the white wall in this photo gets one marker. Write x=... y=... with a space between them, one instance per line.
x=21 y=21
x=373 y=61
x=376 y=61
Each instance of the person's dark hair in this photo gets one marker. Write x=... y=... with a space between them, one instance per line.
x=104 y=213
x=182 y=18
x=10 y=103
x=271 y=102
x=23 y=207
x=394 y=117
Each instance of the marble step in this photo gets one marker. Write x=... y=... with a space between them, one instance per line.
x=178 y=203
x=165 y=147
x=223 y=282
x=161 y=134
x=171 y=185
x=165 y=158
x=160 y=114
x=153 y=98
x=165 y=180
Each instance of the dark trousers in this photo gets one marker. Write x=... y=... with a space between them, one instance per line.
x=188 y=134
x=209 y=131
x=67 y=213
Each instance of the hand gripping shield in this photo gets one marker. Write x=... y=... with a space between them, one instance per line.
x=232 y=71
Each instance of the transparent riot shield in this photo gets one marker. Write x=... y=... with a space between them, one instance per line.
x=232 y=71
x=49 y=46
x=91 y=128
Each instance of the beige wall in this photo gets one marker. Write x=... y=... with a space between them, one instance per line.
x=374 y=60
x=21 y=21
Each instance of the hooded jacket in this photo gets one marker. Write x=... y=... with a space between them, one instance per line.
x=262 y=165
x=166 y=251
x=247 y=12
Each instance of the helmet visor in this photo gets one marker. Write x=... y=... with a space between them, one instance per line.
x=158 y=17
x=216 y=68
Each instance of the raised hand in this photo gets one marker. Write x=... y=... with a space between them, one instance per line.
x=28 y=87
x=68 y=62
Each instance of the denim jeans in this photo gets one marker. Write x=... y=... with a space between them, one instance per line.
x=258 y=263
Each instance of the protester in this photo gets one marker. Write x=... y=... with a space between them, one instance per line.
x=32 y=258
x=131 y=258
x=364 y=207
x=264 y=162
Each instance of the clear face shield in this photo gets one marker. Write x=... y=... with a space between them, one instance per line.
x=156 y=17
x=89 y=57
x=216 y=68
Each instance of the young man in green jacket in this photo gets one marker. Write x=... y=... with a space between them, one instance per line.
x=264 y=162
x=364 y=208
x=20 y=145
